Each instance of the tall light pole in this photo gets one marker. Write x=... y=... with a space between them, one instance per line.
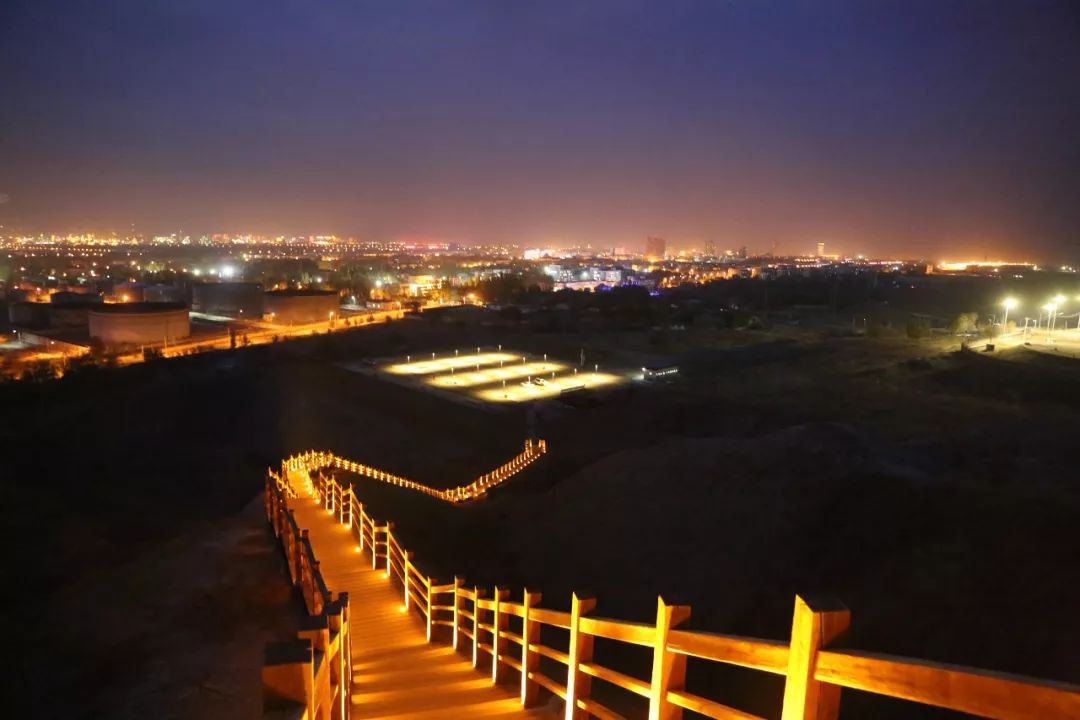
x=1008 y=304
x=1059 y=300
x=1051 y=315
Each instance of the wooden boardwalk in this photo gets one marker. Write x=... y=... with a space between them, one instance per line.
x=396 y=673
x=363 y=651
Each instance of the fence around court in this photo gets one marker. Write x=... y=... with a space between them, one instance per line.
x=508 y=638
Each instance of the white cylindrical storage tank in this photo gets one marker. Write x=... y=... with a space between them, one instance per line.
x=139 y=323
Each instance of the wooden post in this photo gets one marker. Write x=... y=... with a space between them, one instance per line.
x=288 y=675
x=476 y=625
x=341 y=625
x=498 y=624
x=457 y=605
x=315 y=629
x=406 y=563
x=581 y=646
x=427 y=586
x=361 y=527
x=530 y=659
x=389 y=532
x=300 y=556
x=816 y=622
x=668 y=669
x=374 y=546
x=316 y=606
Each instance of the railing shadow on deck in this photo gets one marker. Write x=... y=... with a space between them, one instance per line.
x=504 y=638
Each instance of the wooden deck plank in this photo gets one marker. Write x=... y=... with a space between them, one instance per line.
x=396 y=673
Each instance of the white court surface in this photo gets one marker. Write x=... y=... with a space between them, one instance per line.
x=427 y=365
x=499 y=377
x=518 y=392
x=513 y=371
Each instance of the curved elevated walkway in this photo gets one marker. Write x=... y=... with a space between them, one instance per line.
x=365 y=650
x=396 y=673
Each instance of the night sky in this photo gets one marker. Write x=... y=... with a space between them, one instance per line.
x=935 y=127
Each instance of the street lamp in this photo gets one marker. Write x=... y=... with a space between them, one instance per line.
x=1008 y=304
x=1051 y=318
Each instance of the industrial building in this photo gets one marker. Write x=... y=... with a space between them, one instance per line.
x=299 y=307
x=655 y=248
x=229 y=299
x=69 y=309
x=139 y=323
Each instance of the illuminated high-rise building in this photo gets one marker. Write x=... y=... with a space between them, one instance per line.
x=821 y=249
x=655 y=248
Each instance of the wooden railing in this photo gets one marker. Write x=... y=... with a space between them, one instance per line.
x=508 y=639
x=308 y=678
x=316 y=460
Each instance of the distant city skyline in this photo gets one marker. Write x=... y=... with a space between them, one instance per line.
x=922 y=128
x=634 y=246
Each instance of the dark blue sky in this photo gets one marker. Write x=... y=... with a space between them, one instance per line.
x=936 y=127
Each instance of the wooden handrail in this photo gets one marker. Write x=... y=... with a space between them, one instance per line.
x=620 y=630
x=314 y=460
x=708 y=708
x=977 y=692
x=767 y=655
x=555 y=618
x=615 y=677
x=814 y=673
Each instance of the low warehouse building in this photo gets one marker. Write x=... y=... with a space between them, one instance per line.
x=139 y=323
x=299 y=307
x=230 y=299
x=68 y=309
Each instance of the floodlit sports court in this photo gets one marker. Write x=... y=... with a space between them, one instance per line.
x=432 y=364
x=498 y=377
